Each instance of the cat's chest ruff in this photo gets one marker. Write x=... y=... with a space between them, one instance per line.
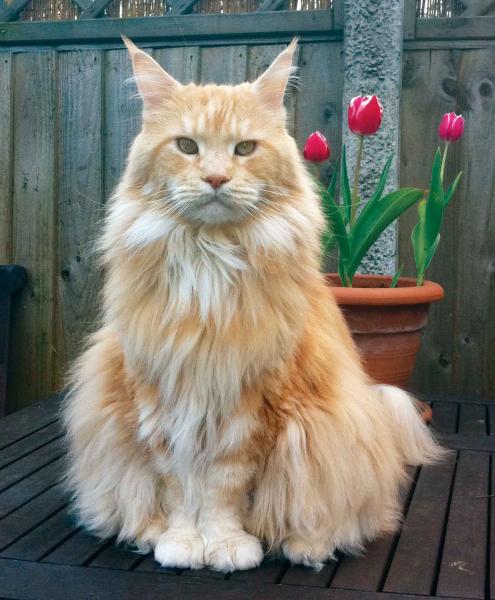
x=206 y=273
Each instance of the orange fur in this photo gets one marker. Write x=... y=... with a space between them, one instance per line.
x=223 y=401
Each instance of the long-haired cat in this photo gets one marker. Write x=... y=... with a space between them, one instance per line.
x=222 y=408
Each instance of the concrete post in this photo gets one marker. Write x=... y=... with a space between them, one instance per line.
x=373 y=65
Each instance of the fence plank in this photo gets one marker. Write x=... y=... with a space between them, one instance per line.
x=319 y=104
x=80 y=198
x=181 y=63
x=6 y=162
x=226 y=64
x=423 y=103
x=122 y=116
x=34 y=229
x=474 y=279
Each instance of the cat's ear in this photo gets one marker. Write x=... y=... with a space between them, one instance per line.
x=271 y=85
x=153 y=82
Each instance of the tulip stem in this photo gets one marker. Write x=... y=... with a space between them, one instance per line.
x=354 y=199
x=442 y=169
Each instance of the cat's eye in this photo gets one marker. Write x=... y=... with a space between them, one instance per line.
x=245 y=148
x=187 y=145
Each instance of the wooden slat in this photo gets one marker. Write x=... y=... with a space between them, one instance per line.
x=270 y=571
x=422 y=104
x=95 y=9
x=267 y=5
x=17 y=495
x=472 y=419
x=462 y=571
x=445 y=416
x=224 y=64
x=468 y=441
x=491 y=420
x=491 y=549
x=77 y=550
x=29 y=443
x=116 y=557
x=8 y=12
x=474 y=356
x=29 y=464
x=24 y=580
x=414 y=564
x=409 y=19
x=275 y=26
x=299 y=575
x=24 y=422
x=456 y=28
x=122 y=116
x=181 y=63
x=6 y=162
x=319 y=104
x=34 y=205
x=30 y=515
x=80 y=200
x=38 y=542
x=180 y=7
x=365 y=572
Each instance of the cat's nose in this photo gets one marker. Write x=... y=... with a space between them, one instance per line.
x=216 y=180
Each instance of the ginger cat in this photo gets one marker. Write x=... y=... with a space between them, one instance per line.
x=222 y=410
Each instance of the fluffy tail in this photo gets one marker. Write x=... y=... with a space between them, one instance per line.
x=412 y=437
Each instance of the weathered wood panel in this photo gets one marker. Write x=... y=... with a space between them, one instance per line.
x=6 y=159
x=32 y=356
x=80 y=199
x=458 y=348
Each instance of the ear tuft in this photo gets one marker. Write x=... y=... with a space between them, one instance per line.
x=271 y=85
x=153 y=82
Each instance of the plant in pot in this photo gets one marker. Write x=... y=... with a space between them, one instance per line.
x=386 y=314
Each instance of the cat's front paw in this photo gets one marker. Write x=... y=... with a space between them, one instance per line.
x=183 y=550
x=234 y=553
x=301 y=551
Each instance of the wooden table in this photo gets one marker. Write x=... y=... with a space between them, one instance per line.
x=443 y=549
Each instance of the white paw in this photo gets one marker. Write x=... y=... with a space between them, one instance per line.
x=301 y=551
x=176 y=548
x=238 y=552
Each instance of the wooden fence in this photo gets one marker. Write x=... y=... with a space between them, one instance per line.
x=68 y=117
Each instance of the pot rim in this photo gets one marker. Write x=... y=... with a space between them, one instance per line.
x=371 y=294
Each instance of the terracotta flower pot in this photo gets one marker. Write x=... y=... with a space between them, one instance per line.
x=386 y=323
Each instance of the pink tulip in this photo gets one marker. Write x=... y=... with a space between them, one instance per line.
x=316 y=148
x=364 y=115
x=451 y=127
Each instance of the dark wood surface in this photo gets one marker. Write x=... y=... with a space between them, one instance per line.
x=445 y=548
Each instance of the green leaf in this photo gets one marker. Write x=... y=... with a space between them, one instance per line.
x=452 y=189
x=346 y=188
x=377 y=194
x=339 y=229
x=435 y=202
x=418 y=236
x=395 y=280
x=431 y=253
x=374 y=220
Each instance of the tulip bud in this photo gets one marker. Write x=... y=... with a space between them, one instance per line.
x=364 y=115
x=451 y=127
x=316 y=148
